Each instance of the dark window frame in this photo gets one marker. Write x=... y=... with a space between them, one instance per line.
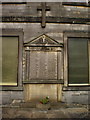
x=15 y=33
x=70 y=84
x=66 y=35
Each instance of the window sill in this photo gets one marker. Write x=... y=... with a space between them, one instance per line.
x=76 y=88
x=44 y=81
x=11 y=88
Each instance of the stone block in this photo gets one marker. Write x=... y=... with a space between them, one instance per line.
x=79 y=97
x=36 y=92
x=43 y=106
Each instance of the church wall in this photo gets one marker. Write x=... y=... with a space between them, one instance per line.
x=9 y=96
x=79 y=97
x=55 y=31
x=56 y=10
x=32 y=30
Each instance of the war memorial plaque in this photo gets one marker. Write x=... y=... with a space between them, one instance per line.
x=43 y=65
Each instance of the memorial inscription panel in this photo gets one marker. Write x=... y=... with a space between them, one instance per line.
x=43 y=63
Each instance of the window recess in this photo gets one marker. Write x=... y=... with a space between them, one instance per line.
x=12 y=44
x=76 y=60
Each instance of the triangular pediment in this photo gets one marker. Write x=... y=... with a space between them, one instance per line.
x=42 y=40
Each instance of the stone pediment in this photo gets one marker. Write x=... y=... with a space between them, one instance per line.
x=43 y=40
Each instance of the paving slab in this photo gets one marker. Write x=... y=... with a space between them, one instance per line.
x=58 y=110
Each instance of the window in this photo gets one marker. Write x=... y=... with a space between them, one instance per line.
x=89 y=57
x=12 y=42
x=76 y=59
x=9 y=60
x=78 y=67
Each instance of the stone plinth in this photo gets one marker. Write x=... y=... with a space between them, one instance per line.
x=35 y=92
x=43 y=106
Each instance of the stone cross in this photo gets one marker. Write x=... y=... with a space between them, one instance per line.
x=43 y=8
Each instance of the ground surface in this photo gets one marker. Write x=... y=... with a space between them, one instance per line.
x=57 y=110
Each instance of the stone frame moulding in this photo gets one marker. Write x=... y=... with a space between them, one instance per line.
x=43 y=41
x=66 y=35
x=19 y=34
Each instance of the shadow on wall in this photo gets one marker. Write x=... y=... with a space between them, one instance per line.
x=79 y=97
x=9 y=96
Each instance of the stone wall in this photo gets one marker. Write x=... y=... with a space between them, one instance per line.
x=56 y=10
x=9 y=96
x=79 y=97
x=54 y=30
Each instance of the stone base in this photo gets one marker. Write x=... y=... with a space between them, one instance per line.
x=35 y=92
x=58 y=110
x=43 y=106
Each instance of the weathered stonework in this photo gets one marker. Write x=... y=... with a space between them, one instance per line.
x=35 y=92
x=58 y=19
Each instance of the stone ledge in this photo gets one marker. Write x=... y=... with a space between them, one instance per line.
x=77 y=88
x=78 y=112
x=21 y=109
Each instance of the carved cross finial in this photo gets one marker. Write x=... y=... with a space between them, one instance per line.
x=43 y=8
x=43 y=37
